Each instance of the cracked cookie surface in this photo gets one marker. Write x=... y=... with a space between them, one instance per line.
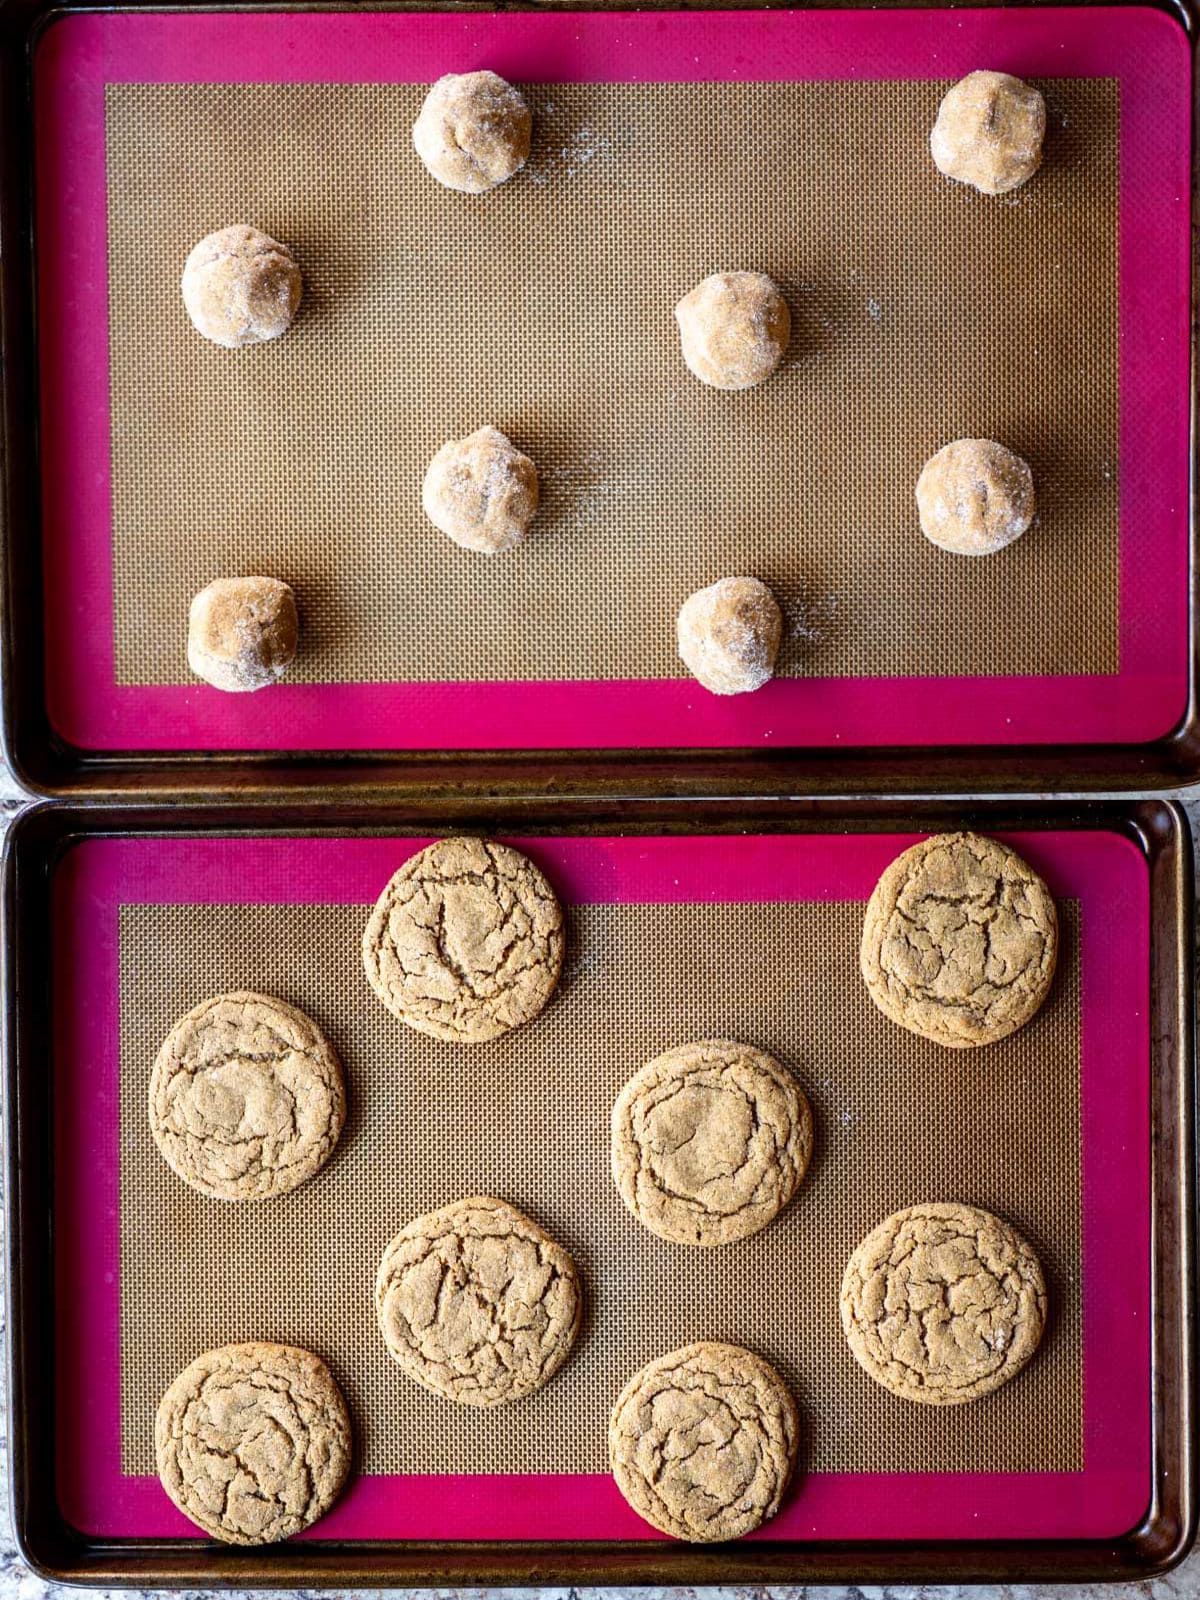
x=943 y=1303
x=703 y=1442
x=477 y=1303
x=960 y=940
x=466 y=941
x=253 y=1442
x=710 y=1141
x=247 y=1098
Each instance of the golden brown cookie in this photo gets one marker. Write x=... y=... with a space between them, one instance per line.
x=253 y=1442
x=709 y=1142
x=466 y=941
x=477 y=1303
x=960 y=940
x=246 y=1097
x=943 y=1303
x=703 y=1442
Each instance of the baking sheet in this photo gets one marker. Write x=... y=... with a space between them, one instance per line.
x=669 y=939
x=546 y=308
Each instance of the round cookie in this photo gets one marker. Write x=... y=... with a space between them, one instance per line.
x=974 y=497
x=246 y=1097
x=473 y=131
x=481 y=492
x=989 y=132
x=733 y=329
x=242 y=633
x=477 y=1303
x=465 y=942
x=703 y=1442
x=241 y=287
x=960 y=940
x=253 y=1442
x=710 y=1141
x=943 y=1303
x=728 y=635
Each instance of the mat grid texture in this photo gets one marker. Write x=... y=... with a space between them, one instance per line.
x=527 y=1117
x=922 y=312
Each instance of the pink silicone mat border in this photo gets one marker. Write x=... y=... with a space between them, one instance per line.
x=1143 y=48
x=1105 y=872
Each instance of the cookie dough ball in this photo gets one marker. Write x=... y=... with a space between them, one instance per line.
x=960 y=940
x=253 y=1442
x=989 y=132
x=242 y=633
x=729 y=635
x=482 y=492
x=734 y=328
x=477 y=1303
x=465 y=942
x=943 y=1303
x=703 y=1442
x=974 y=497
x=241 y=287
x=710 y=1141
x=246 y=1097
x=473 y=131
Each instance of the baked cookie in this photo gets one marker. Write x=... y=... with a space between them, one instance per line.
x=477 y=1303
x=465 y=942
x=943 y=1303
x=253 y=1442
x=246 y=1097
x=709 y=1142
x=703 y=1442
x=960 y=940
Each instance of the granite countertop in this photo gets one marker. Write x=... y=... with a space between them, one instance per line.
x=18 y=1583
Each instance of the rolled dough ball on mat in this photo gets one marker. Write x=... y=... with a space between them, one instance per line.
x=253 y=1442
x=734 y=328
x=974 y=497
x=989 y=132
x=473 y=131
x=729 y=635
x=242 y=633
x=482 y=492
x=241 y=287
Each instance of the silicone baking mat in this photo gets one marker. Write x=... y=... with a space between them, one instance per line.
x=668 y=145
x=668 y=939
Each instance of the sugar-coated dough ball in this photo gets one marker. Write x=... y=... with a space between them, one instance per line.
x=242 y=633
x=473 y=131
x=734 y=328
x=729 y=635
x=989 y=132
x=481 y=491
x=974 y=497
x=241 y=287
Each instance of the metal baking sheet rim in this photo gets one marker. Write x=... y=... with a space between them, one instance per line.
x=50 y=766
x=1158 y=828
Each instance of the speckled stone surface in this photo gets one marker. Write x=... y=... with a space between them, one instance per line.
x=18 y=1583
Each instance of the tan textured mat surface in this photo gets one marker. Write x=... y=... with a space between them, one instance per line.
x=526 y=1118
x=922 y=312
